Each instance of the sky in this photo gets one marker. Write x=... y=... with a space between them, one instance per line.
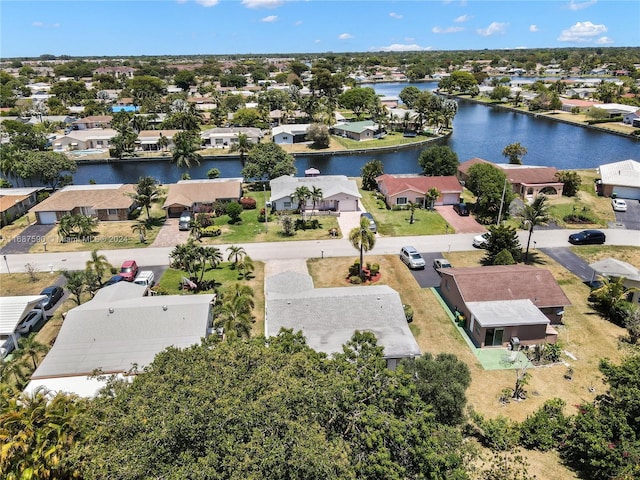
x=30 y=28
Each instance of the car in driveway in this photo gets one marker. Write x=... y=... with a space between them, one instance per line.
x=587 y=237
x=129 y=270
x=113 y=280
x=54 y=294
x=29 y=322
x=372 y=223
x=481 y=241
x=618 y=205
x=184 y=222
x=461 y=209
x=439 y=263
x=411 y=257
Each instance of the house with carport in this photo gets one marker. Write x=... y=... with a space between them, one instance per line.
x=96 y=138
x=614 y=269
x=620 y=179
x=13 y=309
x=290 y=133
x=227 y=137
x=500 y=303
x=150 y=140
x=15 y=202
x=339 y=193
x=200 y=195
x=118 y=333
x=328 y=317
x=399 y=190
x=106 y=202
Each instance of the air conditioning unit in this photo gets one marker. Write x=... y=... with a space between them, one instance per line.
x=514 y=343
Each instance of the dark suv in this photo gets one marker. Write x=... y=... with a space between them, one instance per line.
x=461 y=209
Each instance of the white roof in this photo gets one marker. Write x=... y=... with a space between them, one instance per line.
x=291 y=129
x=616 y=268
x=505 y=313
x=328 y=317
x=82 y=385
x=119 y=329
x=331 y=185
x=14 y=309
x=90 y=134
x=625 y=173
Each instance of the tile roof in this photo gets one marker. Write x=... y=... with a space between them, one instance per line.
x=523 y=174
x=94 y=196
x=395 y=184
x=331 y=185
x=188 y=192
x=507 y=282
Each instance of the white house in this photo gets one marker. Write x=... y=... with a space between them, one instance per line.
x=632 y=118
x=615 y=269
x=290 y=133
x=99 y=138
x=621 y=178
x=339 y=193
x=227 y=137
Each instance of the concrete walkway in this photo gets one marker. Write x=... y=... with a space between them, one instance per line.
x=274 y=267
x=348 y=221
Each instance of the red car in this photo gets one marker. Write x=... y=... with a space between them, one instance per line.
x=129 y=270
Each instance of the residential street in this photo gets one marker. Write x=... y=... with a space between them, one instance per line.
x=152 y=256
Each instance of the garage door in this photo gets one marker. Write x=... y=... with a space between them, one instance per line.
x=47 y=218
x=627 y=192
x=450 y=199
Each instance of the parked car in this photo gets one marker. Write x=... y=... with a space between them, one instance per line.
x=6 y=345
x=146 y=278
x=129 y=270
x=411 y=257
x=461 y=209
x=481 y=241
x=439 y=263
x=587 y=237
x=184 y=222
x=29 y=322
x=372 y=223
x=53 y=293
x=113 y=280
x=618 y=205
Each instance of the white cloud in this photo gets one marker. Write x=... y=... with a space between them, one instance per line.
x=316 y=41
x=395 y=15
x=345 y=36
x=447 y=30
x=45 y=25
x=493 y=29
x=604 y=41
x=533 y=28
x=582 y=32
x=262 y=3
x=207 y=3
x=575 y=6
x=56 y=25
x=399 y=47
x=299 y=22
x=270 y=18
x=37 y=24
x=462 y=19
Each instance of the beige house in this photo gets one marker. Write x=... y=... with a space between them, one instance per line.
x=97 y=138
x=614 y=269
x=107 y=202
x=15 y=202
x=621 y=179
x=93 y=121
x=504 y=302
x=149 y=140
x=200 y=195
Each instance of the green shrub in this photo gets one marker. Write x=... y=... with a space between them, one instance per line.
x=374 y=269
x=408 y=313
x=545 y=428
x=354 y=270
x=355 y=279
x=210 y=231
x=498 y=433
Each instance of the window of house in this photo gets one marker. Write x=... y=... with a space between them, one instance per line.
x=401 y=201
x=112 y=211
x=287 y=204
x=420 y=201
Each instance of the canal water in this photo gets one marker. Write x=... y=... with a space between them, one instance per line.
x=478 y=131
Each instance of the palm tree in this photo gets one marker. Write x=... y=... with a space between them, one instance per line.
x=214 y=256
x=302 y=194
x=514 y=152
x=242 y=146
x=146 y=193
x=412 y=208
x=237 y=253
x=185 y=150
x=246 y=267
x=362 y=239
x=141 y=228
x=534 y=214
x=431 y=196
x=32 y=348
x=316 y=197
x=234 y=318
x=163 y=142
x=99 y=265
x=240 y=291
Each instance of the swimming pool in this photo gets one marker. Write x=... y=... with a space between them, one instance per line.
x=89 y=151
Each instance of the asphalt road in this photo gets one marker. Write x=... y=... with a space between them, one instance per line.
x=572 y=262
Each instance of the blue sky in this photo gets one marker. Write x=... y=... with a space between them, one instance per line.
x=218 y=27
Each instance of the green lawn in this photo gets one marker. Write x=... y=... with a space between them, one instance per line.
x=389 y=140
x=170 y=282
x=396 y=222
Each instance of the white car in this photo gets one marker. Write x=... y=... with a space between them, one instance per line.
x=618 y=205
x=30 y=321
x=480 y=241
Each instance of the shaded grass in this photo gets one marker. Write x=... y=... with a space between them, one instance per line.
x=15 y=284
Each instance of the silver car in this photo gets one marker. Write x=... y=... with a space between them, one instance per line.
x=411 y=257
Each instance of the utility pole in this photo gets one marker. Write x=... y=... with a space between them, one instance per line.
x=504 y=190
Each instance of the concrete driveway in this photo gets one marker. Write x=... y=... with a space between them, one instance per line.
x=572 y=262
x=460 y=224
x=169 y=235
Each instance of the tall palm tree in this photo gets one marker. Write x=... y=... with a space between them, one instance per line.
x=234 y=318
x=362 y=239
x=140 y=227
x=32 y=348
x=146 y=193
x=99 y=265
x=163 y=142
x=214 y=256
x=431 y=196
x=302 y=194
x=242 y=146
x=236 y=254
x=185 y=150
x=413 y=206
x=316 y=197
x=537 y=213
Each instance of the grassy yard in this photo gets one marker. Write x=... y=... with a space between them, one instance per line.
x=10 y=231
x=397 y=222
x=390 y=140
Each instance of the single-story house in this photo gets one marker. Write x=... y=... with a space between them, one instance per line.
x=96 y=138
x=339 y=193
x=621 y=178
x=227 y=137
x=402 y=189
x=501 y=302
x=289 y=134
x=15 y=202
x=328 y=317
x=107 y=202
x=615 y=269
x=122 y=72
x=279 y=117
x=119 y=332
x=569 y=104
x=364 y=130
x=527 y=181
x=632 y=118
x=149 y=140
x=93 y=121
x=200 y=195
x=617 y=109
x=405 y=119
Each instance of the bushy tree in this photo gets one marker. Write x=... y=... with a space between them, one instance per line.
x=546 y=427
x=488 y=182
x=319 y=135
x=571 y=181
x=234 y=210
x=439 y=161
x=409 y=95
x=370 y=171
x=514 y=152
x=358 y=99
x=502 y=238
x=49 y=168
x=268 y=160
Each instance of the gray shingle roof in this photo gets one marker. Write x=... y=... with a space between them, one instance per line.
x=331 y=185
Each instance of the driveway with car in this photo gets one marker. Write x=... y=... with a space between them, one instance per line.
x=428 y=277
x=631 y=217
x=460 y=223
